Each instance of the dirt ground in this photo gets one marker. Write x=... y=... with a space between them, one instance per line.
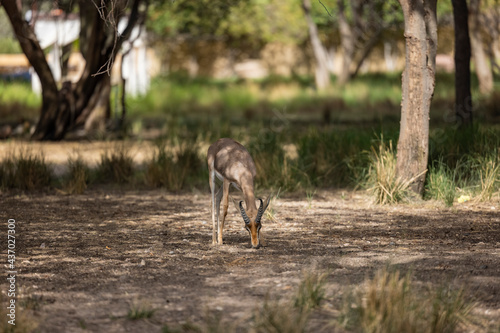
x=84 y=260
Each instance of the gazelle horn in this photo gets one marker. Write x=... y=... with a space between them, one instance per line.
x=244 y=214
x=261 y=211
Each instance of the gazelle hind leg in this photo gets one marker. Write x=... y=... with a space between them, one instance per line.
x=225 y=204
x=218 y=197
x=212 y=197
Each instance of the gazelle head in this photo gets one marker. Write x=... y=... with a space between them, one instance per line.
x=253 y=221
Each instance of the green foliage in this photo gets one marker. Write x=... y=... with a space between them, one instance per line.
x=389 y=303
x=198 y=18
x=18 y=101
x=440 y=183
x=9 y=46
x=267 y=21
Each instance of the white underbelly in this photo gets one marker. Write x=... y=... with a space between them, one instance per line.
x=221 y=178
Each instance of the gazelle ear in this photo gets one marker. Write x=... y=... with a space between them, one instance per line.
x=236 y=203
x=267 y=201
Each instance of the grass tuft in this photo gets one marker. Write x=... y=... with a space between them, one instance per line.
x=382 y=182
x=25 y=171
x=489 y=176
x=24 y=319
x=311 y=291
x=173 y=171
x=441 y=183
x=389 y=303
x=140 y=310
x=275 y=316
x=116 y=166
x=78 y=176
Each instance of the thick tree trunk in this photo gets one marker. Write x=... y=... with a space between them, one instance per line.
x=73 y=106
x=322 y=74
x=417 y=90
x=463 y=98
x=483 y=71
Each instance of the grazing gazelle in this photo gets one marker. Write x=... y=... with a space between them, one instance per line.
x=231 y=163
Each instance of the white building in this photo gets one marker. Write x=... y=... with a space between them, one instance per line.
x=57 y=31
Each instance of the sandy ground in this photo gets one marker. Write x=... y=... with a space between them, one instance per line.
x=85 y=259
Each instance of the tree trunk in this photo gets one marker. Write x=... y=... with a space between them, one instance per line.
x=417 y=90
x=31 y=48
x=368 y=48
x=463 y=98
x=322 y=75
x=347 y=41
x=483 y=71
x=72 y=106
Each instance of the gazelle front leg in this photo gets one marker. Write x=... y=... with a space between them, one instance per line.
x=225 y=204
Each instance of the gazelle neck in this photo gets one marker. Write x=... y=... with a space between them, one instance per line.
x=249 y=196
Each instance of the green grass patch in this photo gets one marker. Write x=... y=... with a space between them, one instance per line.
x=441 y=183
x=18 y=101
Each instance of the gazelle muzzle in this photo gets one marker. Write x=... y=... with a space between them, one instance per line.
x=253 y=227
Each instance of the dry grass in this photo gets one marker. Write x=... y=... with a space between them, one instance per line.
x=24 y=319
x=140 y=310
x=382 y=181
x=489 y=175
x=25 y=170
x=116 y=165
x=173 y=170
x=78 y=176
x=389 y=303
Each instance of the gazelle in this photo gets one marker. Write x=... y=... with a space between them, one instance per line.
x=229 y=161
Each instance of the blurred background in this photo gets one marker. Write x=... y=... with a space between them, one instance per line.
x=313 y=88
